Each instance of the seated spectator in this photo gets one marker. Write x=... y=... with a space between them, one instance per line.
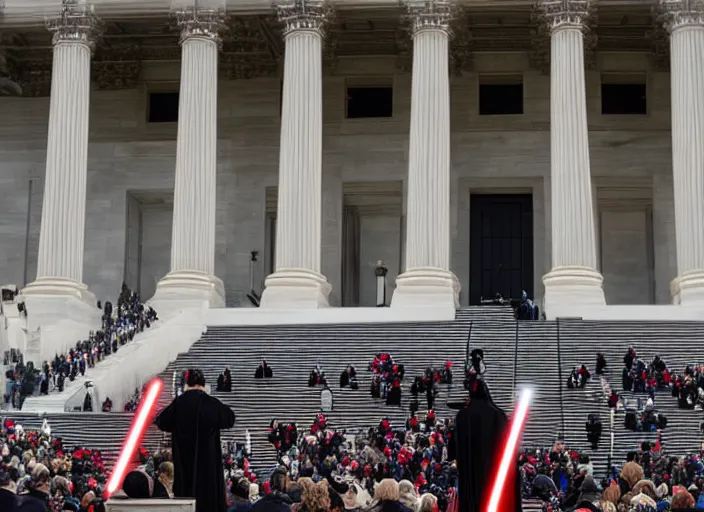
x=8 y=489
x=164 y=485
x=240 y=495
x=138 y=485
x=682 y=500
x=39 y=487
x=224 y=384
x=302 y=485
x=348 y=377
x=317 y=377
x=276 y=500
x=315 y=498
x=387 y=498
x=263 y=371
x=428 y=503
x=408 y=494
x=600 y=364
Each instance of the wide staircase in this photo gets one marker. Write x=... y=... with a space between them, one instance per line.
x=678 y=343
x=293 y=351
x=538 y=355
x=537 y=368
x=98 y=431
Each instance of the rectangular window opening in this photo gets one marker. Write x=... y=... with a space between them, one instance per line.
x=500 y=95
x=369 y=101
x=624 y=94
x=163 y=107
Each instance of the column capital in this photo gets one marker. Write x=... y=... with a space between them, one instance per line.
x=682 y=13
x=565 y=13
x=429 y=14
x=75 y=23
x=197 y=21
x=311 y=15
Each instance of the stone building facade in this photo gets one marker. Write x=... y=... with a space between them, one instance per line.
x=619 y=198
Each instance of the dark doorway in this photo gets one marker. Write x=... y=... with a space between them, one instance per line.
x=500 y=246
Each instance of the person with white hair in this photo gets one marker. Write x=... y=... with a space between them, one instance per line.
x=428 y=503
x=408 y=496
x=253 y=493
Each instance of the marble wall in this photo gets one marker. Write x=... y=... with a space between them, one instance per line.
x=489 y=153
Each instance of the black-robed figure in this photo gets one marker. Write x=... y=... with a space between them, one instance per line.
x=263 y=371
x=195 y=420
x=481 y=430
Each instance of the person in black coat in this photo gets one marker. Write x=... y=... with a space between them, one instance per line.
x=8 y=498
x=263 y=371
x=195 y=419
x=600 y=364
x=277 y=500
x=481 y=429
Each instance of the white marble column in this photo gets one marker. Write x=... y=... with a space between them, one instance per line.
x=297 y=281
x=685 y=22
x=573 y=282
x=61 y=239
x=60 y=307
x=427 y=280
x=192 y=276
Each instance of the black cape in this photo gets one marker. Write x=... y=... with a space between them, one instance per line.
x=184 y=420
x=480 y=432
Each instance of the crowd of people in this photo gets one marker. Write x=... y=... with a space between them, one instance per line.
x=386 y=378
x=120 y=324
x=416 y=454
x=38 y=473
x=650 y=480
x=20 y=380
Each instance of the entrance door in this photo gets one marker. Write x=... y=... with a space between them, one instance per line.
x=501 y=246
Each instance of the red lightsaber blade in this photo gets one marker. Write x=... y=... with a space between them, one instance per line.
x=139 y=425
x=508 y=456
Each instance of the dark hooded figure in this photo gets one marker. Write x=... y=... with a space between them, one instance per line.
x=345 y=378
x=195 y=420
x=481 y=429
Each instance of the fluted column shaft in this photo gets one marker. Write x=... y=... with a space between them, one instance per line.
x=573 y=241
x=297 y=281
x=427 y=280
x=687 y=77
x=428 y=210
x=573 y=283
x=193 y=239
x=192 y=279
x=62 y=234
x=298 y=229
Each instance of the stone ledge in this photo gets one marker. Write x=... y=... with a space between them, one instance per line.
x=127 y=505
